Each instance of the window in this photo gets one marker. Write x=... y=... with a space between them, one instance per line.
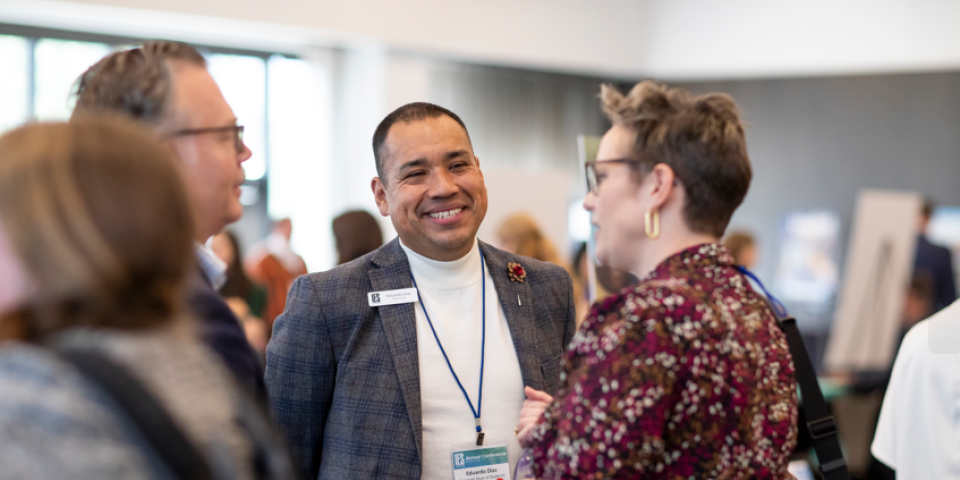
x=284 y=103
x=243 y=81
x=14 y=81
x=300 y=155
x=53 y=66
x=58 y=63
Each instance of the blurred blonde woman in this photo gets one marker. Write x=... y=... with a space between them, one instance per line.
x=521 y=234
x=102 y=375
x=743 y=248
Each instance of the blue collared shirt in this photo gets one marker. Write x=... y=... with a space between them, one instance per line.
x=212 y=266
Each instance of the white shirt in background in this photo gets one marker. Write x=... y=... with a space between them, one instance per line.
x=451 y=293
x=918 y=433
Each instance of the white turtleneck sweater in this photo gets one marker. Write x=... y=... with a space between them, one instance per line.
x=451 y=293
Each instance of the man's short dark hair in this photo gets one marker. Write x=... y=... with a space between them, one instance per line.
x=136 y=82
x=411 y=112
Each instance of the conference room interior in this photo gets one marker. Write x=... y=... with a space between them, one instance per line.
x=844 y=105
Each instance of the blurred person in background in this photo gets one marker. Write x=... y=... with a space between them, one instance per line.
x=237 y=284
x=273 y=263
x=278 y=245
x=935 y=262
x=246 y=299
x=609 y=281
x=743 y=247
x=102 y=373
x=166 y=86
x=521 y=235
x=686 y=375
x=357 y=233
x=253 y=327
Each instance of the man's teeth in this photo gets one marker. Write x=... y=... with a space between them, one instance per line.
x=447 y=214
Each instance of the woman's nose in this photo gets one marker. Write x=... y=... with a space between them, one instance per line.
x=589 y=202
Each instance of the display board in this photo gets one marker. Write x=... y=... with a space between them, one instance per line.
x=877 y=271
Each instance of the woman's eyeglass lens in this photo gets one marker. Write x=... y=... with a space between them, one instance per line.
x=593 y=180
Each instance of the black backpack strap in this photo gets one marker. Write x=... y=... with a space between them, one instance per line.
x=144 y=412
x=820 y=424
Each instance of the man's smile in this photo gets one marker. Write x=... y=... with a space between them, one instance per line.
x=446 y=214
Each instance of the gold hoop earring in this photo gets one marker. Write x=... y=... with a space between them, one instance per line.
x=651 y=221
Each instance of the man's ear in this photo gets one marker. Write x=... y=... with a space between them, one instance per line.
x=380 y=196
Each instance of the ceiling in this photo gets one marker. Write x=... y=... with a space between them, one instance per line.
x=666 y=39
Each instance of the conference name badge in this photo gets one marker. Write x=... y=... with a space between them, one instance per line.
x=481 y=464
x=392 y=297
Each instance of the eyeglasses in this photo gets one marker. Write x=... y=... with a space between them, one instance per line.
x=593 y=180
x=236 y=129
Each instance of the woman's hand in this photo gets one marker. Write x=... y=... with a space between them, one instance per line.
x=533 y=408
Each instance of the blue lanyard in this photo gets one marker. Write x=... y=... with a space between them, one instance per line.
x=483 y=341
x=778 y=307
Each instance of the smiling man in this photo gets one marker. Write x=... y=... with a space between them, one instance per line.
x=395 y=364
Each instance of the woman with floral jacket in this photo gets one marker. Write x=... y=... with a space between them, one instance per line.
x=686 y=375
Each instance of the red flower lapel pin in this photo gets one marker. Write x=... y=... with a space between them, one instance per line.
x=516 y=272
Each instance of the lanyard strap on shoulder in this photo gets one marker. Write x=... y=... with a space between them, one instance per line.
x=820 y=424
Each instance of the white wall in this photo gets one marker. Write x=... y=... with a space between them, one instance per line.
x=545 y=34
x=668 y=39
x=696 y=39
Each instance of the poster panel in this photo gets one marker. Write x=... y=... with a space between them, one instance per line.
x=877 y=271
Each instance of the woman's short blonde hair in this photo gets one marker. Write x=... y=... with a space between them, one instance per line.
x=98 y=214
x=700 y=137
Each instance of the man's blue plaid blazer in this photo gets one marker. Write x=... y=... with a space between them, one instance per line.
x=344 y=379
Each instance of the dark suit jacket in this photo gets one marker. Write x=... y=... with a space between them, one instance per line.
x=344 y=377
x=221 y=331
x=937 y=263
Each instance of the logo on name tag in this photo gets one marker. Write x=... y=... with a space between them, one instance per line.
x=376 y=297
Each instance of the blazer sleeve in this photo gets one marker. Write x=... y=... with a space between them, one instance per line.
x=300 y=374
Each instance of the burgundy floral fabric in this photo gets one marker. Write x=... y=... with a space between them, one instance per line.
x=684 y=376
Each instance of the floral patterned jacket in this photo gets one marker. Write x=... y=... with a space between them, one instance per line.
x=684 y=376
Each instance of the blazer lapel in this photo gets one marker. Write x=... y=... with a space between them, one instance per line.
x=399 y=323
x=516 y=298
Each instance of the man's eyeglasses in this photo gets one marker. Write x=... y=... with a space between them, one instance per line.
x=593 y=180
x=236 y=129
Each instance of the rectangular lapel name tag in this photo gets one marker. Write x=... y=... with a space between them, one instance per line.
x=392 y=297
x=490 y=463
